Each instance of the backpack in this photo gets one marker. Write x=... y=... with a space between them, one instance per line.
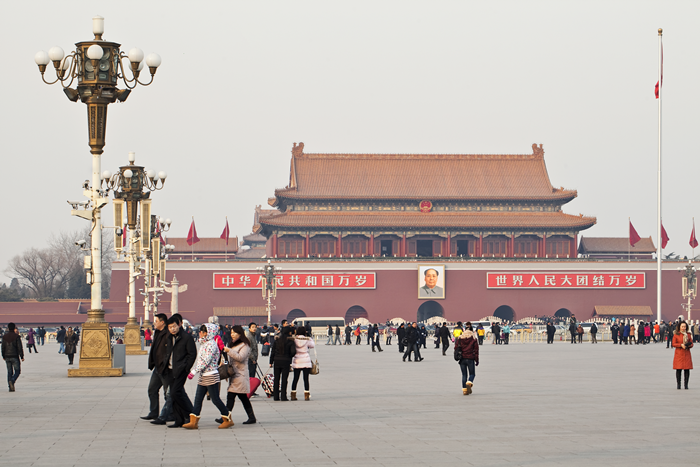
x=265 y=349
x=457 y=351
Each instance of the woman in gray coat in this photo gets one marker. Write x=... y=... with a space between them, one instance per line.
x=239 y=383
x=71 y=343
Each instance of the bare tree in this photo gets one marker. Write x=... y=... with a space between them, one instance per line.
x=57 y=271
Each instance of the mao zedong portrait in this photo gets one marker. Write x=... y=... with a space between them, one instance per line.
x=431 y=289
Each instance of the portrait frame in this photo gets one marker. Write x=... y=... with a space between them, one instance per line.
x=423 y=292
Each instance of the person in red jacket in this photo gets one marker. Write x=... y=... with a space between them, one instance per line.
x=467 y=349
x=682 y=342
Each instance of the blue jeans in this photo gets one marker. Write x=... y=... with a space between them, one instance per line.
x=468 y=371
x=13 y=369
x=62 y=347
x=159 y=381
x=214 y=394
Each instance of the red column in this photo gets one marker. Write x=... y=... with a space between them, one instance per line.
x=572 y=251
x=274 y=245
x=370 y=249
x=339 y=253
x=403 y=245
x=544 y=244
x=307 y=244
x=481 y=245
x=512 y=245
x=449 y=245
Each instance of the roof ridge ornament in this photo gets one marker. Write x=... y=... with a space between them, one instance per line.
x=298 y=150
x=537 y=151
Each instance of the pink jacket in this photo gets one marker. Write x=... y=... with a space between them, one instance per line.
x=302 y=359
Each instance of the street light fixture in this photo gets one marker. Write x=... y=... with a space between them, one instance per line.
x=96 y=66
x=132 y=186
x=269 y=286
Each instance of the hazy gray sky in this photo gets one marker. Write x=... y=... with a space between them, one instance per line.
x=241 y=81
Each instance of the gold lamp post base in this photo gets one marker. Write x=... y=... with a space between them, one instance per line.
x=95 y=352
x=132 y=340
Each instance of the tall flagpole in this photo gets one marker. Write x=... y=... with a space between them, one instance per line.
x=658 y=229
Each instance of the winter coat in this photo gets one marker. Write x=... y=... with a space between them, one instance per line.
x=401 y=333
x=253 y=355
x=647 y=331
x=12 y=345
x=208 y=356
x=301 y=358
x=444 y=334
x=30 y=337
x=682 y=359
x=626 y=331
x=412 y=335
x=282 y=352
x=469 y=346
x=157 y=356
x=71 y=341
x=239 y=383
x=183 y=352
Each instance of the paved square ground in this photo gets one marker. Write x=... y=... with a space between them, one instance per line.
x=533 y=404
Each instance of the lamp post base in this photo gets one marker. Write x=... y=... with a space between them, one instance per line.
x=132 y=340
x=95 y=352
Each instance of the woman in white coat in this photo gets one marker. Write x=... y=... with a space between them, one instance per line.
x=301 y=362
x=239 y=383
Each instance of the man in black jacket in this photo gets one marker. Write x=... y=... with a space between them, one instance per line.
x=61 y=339
x=400 y=335
x=445 y=338
x=180 y=358
x=161 y=376
x=412 y=336
x=12 y=352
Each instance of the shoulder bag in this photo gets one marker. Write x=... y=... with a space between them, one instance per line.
x=315 y=368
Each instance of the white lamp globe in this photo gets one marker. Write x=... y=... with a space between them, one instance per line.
x=95 y=52
x=56 y=54
x=151 y=173
x=128 y=173
x=41 y=58
x=162 y=175
x=135 y=55
x=106 y=175
x=153 y=60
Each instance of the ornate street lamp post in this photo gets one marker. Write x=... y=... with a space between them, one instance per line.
x=690 y=286
x=97 y=66
x=132 y=187
x=269 y=286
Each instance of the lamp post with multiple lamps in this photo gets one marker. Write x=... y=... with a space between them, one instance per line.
x=690 y=286
x=155 y=261
x=132 y=186
x=97 y=67
x=269 y=286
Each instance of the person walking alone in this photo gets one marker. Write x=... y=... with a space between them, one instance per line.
x=12 y=353
x=31 y=340
x=337 y=335
x=348 y=334
x=281 y=354
x=61 y=339
x=301 y=362
x=71 y=344
x=594 y=332
x=682 y=360
x=550 y=332
x=444 y=338
x=358 y=334
x=239 y=383
x=375 y=338
x=467 y=347
x=207 y=365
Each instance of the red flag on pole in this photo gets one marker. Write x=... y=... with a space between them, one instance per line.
x=634 y=236
x=192 y=235
x=656 y=88
x=225 y=233
x=664 y=236
x=693 y=240
x=124 y=236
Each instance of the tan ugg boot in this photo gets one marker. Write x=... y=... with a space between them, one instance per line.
x=227 y=423
x=294 y=395
x=469 y=387
x=464 y=391
x=307 y=396
x=193 y=424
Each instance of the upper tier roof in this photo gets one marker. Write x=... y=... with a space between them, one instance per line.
x=615 y=245
x=420 y=176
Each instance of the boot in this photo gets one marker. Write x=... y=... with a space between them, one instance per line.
x=12 y=386
x=251 y=417
x=469 y=387
x=464 y=391
x=293 y=395
x=686 y=377
x=307 y=396
x=678 y=378
x=227 y=422
x=193 y=424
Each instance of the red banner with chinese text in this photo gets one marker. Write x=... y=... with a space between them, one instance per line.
x=520 y=280
x=291 y=280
